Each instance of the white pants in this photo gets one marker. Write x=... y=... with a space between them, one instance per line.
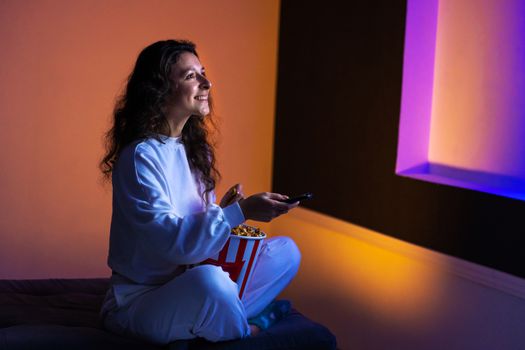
x=204 y=302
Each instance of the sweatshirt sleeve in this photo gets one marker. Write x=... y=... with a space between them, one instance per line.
x=160 y=236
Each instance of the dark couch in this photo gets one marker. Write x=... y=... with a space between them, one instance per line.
x=63 y=314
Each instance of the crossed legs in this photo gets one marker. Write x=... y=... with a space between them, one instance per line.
x=203 y=301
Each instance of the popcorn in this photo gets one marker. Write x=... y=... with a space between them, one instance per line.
x=247 y=231
x=239 y=254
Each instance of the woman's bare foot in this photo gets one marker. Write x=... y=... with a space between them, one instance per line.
x=254 y=330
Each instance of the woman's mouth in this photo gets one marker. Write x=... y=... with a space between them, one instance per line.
x=201 y=98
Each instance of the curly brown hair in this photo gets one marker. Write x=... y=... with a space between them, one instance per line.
x=139 y=113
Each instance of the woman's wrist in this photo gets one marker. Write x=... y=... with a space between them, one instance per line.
x=242 y=207
x=234 y=214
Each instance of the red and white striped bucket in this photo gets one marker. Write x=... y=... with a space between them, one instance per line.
x=238 y=257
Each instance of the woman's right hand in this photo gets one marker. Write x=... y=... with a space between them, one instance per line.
x=265 y=206
x=234 y=194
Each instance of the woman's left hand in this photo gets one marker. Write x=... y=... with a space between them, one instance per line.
x=234 y=194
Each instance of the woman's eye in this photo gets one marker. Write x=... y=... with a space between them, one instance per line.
x=190 y=76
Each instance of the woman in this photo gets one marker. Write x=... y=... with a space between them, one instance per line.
x=164 y=220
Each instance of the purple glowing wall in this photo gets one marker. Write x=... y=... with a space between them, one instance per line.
x=463 y=107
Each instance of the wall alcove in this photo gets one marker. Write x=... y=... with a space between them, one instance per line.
x=462 y=112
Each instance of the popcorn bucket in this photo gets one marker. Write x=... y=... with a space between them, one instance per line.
x=238 y=257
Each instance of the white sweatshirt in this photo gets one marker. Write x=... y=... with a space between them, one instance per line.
x=159 y=221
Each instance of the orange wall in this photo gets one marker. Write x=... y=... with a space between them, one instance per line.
x=63 y=63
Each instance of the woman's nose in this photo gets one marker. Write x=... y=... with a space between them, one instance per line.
x=205 y=83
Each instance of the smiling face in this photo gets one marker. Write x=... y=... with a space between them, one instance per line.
x=190 y=87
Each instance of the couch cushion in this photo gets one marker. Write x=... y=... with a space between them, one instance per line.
x=295 y=332
x=66 y=302
x=54 y=337
x=95 y=286
x=63 y=314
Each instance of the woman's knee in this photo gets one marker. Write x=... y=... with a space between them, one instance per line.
x=214 y=288
x=295 y=253
x=225 y=317
x=288 y=249
x=212 y=280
